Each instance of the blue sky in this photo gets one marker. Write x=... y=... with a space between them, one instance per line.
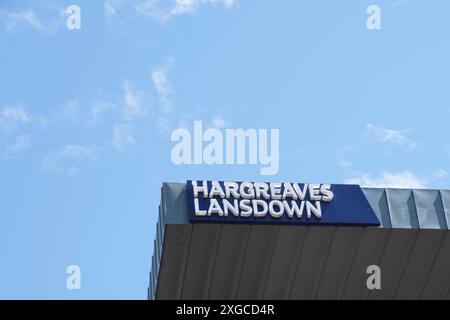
x=86 y=116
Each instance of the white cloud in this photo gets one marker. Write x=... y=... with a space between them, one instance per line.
x=397 y=3
x=123 y=136
x=342 y=156
x=134 y=103
x=219 y=122
x=406 y=179
x=70 y=113
x=111 y=7
x=98 y=109
x=162 y=84
x=440 y=177
x=67 y=158
x=186 y=120
x=13 y=20
x=164 y=10
x=15 y=114
x=20 y=143
x=151 y=9
x=12 y=118
x=51 y=18
x=398 y=137
x=78 y=152
x=185 y=6
x=190 y=6
x=164 y=125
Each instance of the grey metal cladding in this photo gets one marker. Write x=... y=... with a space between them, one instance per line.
x=445 y=196
x=402 y=208
x=430 y=209
x=175 y=203
x=378 y=201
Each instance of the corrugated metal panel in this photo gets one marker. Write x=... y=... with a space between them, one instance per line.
x=370 y=251
x=200 y=261
x=154 y=274
x=229 y=261
x=339 y=262
x=312 y=261
x=176 y=251
x=393 y=261
x=288 y=248
x=438 y=281
x=150 y=293
x=257 y=259
x=420 y=261
x=158 y=248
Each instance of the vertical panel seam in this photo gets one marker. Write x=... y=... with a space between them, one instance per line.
x=388 y=207
x=324 y=264
x=186 y=259
x=299 y=256
x=405 y=264
x=155 y=289
x=430 y=270
x=383 y=252
x=271 y=262
x=415 y=209
x=243 y=262
x=352 y=263
x=447 y=223
x=215 y=261
x=447 y=297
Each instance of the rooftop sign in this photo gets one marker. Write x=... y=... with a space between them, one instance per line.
x=273 y=203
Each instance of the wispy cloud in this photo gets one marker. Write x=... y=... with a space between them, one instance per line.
x=14 y=20
x=164 y=124
x=98 y=110
x=70 y=113
x=20 y=143
x=135 y=103
x=162 y=84
x=111 y=8
x=440 y=177
x=399 y=137
x=397 y=3
x=151 y=9
x=49 y=20
x=67 y=159
x=343 y=155
x=219 y=122
x=161 y=10
x=12 y=118
x=190 y=6
x=405 y=179
x=123 y=136
x=16 y=114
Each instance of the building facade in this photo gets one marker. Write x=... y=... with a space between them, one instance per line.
x=250 y=260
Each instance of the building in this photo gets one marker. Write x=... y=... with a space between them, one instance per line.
x=223 y=259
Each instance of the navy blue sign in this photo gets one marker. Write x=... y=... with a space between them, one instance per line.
x=274 y=203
